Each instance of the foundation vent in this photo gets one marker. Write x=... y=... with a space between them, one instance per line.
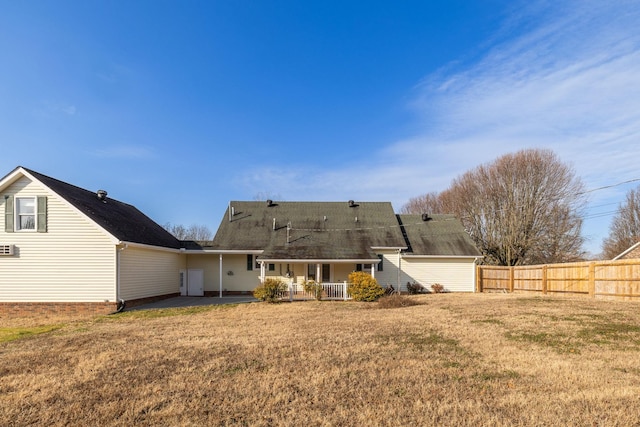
x=7 y=250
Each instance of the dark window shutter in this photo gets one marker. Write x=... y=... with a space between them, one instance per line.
x=358 y=267
x=380 y=266
x=8 y=214
x=42 y=214
x=249 y=262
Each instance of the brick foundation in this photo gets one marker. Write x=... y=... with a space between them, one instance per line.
x=56 y=308
x=18 y=309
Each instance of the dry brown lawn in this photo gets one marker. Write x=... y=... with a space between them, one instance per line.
x=454 y=360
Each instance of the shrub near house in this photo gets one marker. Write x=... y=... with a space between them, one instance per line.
x=363 y=287
x=270 y=291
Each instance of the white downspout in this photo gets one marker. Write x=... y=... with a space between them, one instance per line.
x=118 y=278
x=220 y=275
x=475 y=274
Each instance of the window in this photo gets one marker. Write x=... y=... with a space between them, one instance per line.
x=25 y=213
x=311 y=272
x=363 y=267
x=254 y=264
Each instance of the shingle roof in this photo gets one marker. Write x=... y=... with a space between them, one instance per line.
x=440 y=235
x=121 y=220
x=318 y=230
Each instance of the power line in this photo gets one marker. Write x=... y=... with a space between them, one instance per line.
x=609 y=186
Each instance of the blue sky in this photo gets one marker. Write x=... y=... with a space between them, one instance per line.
x=179 y=107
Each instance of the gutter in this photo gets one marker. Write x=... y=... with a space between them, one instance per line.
x=474 y=257
x=322 y=261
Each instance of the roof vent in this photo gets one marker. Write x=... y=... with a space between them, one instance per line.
x=102 y=195
x=269 y=202
x=352 y=203
x=425 y=217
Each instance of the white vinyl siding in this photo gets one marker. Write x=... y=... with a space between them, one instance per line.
x=149 y=272
x=389 y=274
x=455 y=274
x=74 y=261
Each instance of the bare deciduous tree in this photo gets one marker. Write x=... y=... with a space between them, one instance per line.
x=193 y=232
x=523 y=208
x=427 y=203
x=625 y=226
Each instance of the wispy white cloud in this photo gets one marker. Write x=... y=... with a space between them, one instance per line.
x=560 y=76
x=51 y=109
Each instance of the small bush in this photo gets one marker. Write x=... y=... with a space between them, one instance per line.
x=396 y=301
x=414 y=288
x=314 y=288
x=270 y=290
x=437 y=288
x=363 y=287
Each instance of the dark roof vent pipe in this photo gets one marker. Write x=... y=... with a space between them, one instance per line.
x=425 y=217
x=102 y=195
x=269 y=202
x=351 y=203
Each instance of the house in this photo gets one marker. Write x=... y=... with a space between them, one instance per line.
x=325 y=241
x=631 y=253
x=63 y=246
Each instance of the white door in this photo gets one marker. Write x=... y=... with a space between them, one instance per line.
x=195 y=282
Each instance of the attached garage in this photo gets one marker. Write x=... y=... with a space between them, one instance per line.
x=439 y=251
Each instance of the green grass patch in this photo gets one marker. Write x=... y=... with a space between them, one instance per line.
x=11 y=334
x=490 y=321
x=496 y=375
x=610 y=333
x=154 y=313
x=559 y=342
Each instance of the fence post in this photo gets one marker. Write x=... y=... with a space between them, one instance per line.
x=511 y=278
x=291 y=290
x=478 y=279
x=544 y=279
x=344 y=291
x=592 y=279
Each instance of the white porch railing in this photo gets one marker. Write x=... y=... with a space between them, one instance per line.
x=330 y=291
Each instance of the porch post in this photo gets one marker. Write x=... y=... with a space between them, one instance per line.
x=344 y=291
x=318 y=274
x=373 y=270
x=220 y=275
x=262 y=271
x=399 y=267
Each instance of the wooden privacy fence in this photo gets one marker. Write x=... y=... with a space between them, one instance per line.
x=598 y=279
